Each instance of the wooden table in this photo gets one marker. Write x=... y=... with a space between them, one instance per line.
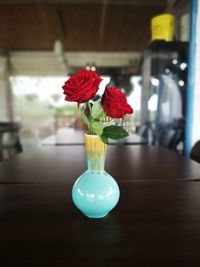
x=69 y=136
x=156 y=223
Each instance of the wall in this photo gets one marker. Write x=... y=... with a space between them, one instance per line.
x=5 y=91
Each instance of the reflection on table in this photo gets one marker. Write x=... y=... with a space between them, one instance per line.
x=156 y=222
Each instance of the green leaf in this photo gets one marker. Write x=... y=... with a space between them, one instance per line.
x=84 y=117
x=104 y=115
x=97 y=127
x=114 y=132
x=90 y=119
x=104 y=139
x=97 y=110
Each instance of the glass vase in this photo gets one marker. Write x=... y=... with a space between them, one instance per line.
x=95 y=193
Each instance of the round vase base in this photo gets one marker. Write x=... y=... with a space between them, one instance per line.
x=96 y=216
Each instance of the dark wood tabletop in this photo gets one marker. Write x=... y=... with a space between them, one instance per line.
x=156 y=223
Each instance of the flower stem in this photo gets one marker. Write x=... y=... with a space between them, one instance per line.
x=90 y=108
x=108 y=120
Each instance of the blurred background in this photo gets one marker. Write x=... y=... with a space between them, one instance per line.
x=140 y=46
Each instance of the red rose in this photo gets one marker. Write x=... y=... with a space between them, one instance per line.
x=82 y=86
x=114 y=103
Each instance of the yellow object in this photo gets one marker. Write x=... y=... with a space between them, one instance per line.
x=96 y=151
x=162 y=27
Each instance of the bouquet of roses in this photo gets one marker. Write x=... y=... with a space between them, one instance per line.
x=81 y=88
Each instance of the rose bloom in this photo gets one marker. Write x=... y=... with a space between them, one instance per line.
x=82 y=86
x=114 y=103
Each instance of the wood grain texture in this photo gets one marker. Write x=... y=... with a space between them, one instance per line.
x=156 y=223
x=153 y=225
x=125 y=163
x=81 y=27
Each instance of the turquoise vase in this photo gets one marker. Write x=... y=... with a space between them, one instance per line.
x=95 y=192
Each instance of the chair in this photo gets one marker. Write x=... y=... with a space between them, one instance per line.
x=142 y=130
x=195 y=152
x=166 y=138
x=9 y=140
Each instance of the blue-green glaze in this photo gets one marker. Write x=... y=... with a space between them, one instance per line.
x=95 y=194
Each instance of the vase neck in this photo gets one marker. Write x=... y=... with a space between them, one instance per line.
x=96 y=153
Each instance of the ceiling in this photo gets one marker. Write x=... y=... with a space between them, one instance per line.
x=108 y=26
x=118 y=2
